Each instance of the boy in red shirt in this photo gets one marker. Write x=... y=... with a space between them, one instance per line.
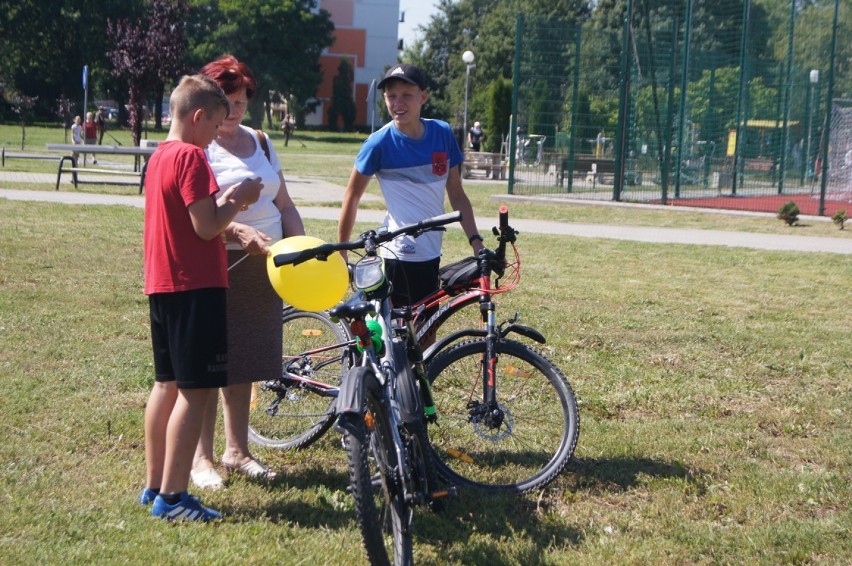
x=186 y=275
x=90 y=135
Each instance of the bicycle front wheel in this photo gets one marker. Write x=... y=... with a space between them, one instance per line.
x=384 y=518
x=536 y=426
x=298 y=408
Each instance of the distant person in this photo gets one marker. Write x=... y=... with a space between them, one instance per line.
x=476 y=136
x=100 y=123
x=186 y=280
x=797 y=154
x=90 y=134
x=76 y=136
x=287 y=128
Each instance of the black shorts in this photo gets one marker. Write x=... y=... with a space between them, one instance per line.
x=189 y=337
x=412 y=280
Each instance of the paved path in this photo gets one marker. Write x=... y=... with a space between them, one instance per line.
x=306 y=191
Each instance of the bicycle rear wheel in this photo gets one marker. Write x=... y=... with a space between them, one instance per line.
x=298 y=408
x=384 y=518
x=540 y=420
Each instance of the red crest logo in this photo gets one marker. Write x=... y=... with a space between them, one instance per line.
x=439 y=163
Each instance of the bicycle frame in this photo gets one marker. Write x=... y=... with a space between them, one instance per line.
x=404 y=401
x=439 y=307
x=393 y=381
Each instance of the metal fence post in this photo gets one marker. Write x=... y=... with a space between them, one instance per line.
x=828 y=103
x=623 y=104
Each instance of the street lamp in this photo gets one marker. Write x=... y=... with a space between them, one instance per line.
x=468 y=58
x=814 y=79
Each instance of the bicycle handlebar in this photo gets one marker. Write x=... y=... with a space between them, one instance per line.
x=376 y=237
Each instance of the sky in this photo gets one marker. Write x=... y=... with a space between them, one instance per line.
x=417 y=13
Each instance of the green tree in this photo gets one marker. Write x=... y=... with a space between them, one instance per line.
x=342 y=103
x=499 y=111
x=813 y=42
x=45 y=45
x=486 y=27
x=281 y=40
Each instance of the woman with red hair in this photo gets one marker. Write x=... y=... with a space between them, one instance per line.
x=254 y=309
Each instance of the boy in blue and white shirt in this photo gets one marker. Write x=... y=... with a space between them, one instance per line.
x=416 y=161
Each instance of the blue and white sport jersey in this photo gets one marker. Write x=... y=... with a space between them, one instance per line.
x=413 y=177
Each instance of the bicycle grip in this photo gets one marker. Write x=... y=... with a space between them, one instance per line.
x=286 y=259
x=504 y=217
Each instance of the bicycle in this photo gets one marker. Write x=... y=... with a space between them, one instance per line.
x=500 y=429
x=471 y=451
x=382 y=398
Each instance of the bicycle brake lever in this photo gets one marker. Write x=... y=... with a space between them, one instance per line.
x=512 y=320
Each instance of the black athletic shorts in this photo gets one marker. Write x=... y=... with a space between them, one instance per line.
x=189 y=337
x=412 y=280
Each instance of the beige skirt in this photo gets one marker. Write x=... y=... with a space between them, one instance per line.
x=254 y=321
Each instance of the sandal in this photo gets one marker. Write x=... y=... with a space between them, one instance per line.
x=207 y=479
x=251 y=469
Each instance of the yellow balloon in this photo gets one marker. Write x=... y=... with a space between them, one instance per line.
x=313 y=285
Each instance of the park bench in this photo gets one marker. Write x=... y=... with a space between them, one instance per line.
x=68 y=164
x=594 y=169
x=492 y=164
x=758 y=164
x=71 y=167
x=4 y=155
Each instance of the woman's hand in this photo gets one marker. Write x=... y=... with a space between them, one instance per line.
x=253 y=241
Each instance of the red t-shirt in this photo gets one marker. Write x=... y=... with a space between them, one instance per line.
x=90 y=130
x=176 y=257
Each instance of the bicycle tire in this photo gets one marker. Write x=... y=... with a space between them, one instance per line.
x=383 y=517
x=539 y=433
x=422 y=477
x=296 y=417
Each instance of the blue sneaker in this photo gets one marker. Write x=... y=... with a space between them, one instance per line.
x=148 y=495
x=188 y=508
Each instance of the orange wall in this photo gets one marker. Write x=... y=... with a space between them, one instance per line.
x=350 y=42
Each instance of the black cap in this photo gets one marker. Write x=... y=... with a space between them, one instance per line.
x=404 y=72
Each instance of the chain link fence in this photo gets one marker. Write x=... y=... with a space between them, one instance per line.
x=674 y=108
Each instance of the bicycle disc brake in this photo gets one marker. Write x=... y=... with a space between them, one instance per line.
x=491 y=423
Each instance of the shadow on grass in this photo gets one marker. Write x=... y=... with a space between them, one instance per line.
x=473 y=526
x=609 y=474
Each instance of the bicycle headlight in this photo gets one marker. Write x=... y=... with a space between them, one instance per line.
x=369 y=273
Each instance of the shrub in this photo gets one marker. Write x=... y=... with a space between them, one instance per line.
x=840 y=217
x=789 y=213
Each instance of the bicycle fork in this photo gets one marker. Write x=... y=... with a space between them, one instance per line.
x=488 y=412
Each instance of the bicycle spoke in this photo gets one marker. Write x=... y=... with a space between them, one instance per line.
x=520 y=444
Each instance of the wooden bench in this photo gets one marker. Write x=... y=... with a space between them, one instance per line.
x=16 y=155
x=759 y=164
x=493 y=164
x=74 y=170
x=75 y=149
x=594 y=169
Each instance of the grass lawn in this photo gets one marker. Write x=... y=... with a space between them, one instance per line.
x=714 y=389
